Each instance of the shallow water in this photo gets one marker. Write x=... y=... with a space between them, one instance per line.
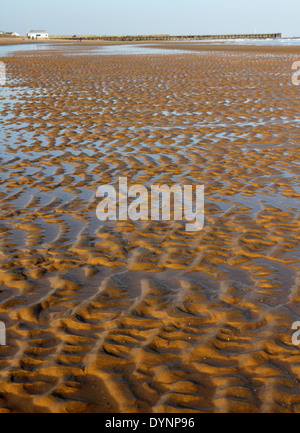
x=265 y=42
x=136 y=49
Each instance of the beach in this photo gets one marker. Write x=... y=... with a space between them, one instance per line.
x=224 y=46
x=143 y=316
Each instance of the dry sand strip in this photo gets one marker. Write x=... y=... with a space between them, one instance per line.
x=233 y=48
x=21 y=40
x=4 y=40
x=145 y=317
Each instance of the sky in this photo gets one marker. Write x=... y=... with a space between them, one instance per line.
x=174 y=17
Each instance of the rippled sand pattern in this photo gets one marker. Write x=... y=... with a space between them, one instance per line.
x=142 y=317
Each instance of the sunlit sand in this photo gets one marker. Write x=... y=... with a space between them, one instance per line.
x=145 y=317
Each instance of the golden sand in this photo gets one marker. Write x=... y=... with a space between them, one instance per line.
x=145 y=317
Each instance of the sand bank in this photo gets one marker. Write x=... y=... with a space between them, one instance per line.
x=234 y=48
x=145 y=317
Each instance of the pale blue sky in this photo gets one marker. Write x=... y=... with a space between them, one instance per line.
x=116 y=17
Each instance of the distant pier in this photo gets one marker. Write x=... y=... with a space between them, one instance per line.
x=174 y=38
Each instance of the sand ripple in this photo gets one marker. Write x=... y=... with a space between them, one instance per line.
x=145 y=317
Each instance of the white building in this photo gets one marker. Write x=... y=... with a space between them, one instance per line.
x=37 y=34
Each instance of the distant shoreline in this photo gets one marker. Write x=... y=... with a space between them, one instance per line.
x=272 y=49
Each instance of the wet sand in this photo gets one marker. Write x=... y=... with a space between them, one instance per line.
x=172 y=45
x=143 y=316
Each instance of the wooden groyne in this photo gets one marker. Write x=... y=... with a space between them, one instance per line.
x=251 y=36
x=171 y=38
